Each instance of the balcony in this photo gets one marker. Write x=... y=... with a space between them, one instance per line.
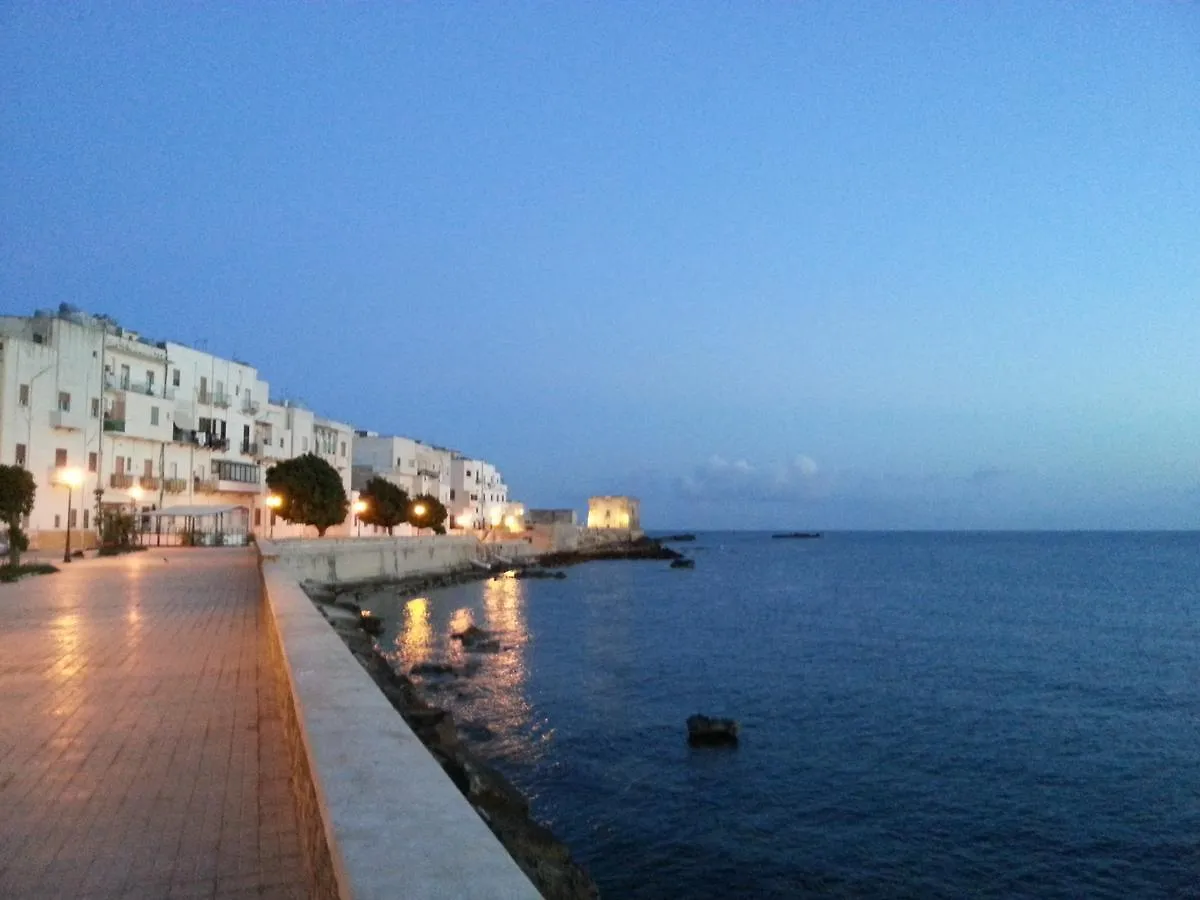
x=149 y=483
x=206 y=486
x=120 y=480
x=249 y=448
x=251 y=407
x=63 y=419
x=426 y=472
x=114 y=424
x=220 y=398
x=175 y=485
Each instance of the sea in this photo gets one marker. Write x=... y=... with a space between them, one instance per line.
x=922 y=714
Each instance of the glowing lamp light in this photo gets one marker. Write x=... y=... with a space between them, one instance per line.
x=135 y=492
x=274 y=501
x=464 y=520
x=360 y=507
x=419 y=509
x=70 y=477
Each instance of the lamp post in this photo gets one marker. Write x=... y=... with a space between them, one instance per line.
x=274 y=501
x=72 y=478
x=360 y=507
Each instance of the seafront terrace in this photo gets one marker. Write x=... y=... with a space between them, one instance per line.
x=142 y=750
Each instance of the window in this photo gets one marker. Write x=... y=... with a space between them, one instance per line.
x=148 y=468
x=154 y=415
x=303 y=445
x=343 y=448
x=399 y=462
x=92 y=462
x=451 y=493
x=150 y=382
x=175 y=378
x=64 y=401
x=20 y=459
x=281 y=442
x=227 y=470
x=257 y=517
x=174 y=470
x=124 y=378
x=60 y=458
x=85 y=518
x=71 y=517
x=23 y=395
x=95 y=407
x=57 y=522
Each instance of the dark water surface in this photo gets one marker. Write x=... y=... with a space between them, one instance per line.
x=924 y=715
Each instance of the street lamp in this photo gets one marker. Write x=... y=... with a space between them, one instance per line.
x=72 y=478
x=360 y=507
x=418 y=514
x=274 y=501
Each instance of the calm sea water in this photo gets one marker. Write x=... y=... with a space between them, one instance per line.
x=924 y=715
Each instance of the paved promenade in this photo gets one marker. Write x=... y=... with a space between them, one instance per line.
x=141 y=751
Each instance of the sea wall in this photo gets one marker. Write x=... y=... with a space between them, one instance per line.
x=343 y=560
x=380 y=817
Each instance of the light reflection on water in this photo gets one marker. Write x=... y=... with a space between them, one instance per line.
x=494 y=693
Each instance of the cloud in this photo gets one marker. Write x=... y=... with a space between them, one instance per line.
x=740 y=480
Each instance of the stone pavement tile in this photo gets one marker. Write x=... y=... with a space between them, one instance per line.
x=140 y=733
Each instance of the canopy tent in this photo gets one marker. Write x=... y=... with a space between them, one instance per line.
x=195 y=512
x=193 y=525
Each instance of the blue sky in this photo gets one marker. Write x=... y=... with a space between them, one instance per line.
x=828 y=265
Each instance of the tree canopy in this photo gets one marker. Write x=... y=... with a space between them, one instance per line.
x=310 y=492
x=427 y=511
x=387 y=504
x=17 y=490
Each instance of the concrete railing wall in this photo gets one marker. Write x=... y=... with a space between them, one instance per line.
x=338 y=560
x=380 y=817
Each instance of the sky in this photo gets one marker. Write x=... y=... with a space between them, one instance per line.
x=764 y=265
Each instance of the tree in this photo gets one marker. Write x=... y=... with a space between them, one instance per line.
x=310 y=492
x=427 y=511
x=17 y=489
x=387 y=504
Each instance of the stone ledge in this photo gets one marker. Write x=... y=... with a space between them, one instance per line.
x=395 y=824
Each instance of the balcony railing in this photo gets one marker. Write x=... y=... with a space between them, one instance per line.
x=120 y=480
x=62 y=419
x=251 y=407
x=249 y=448
x=175 y=485
x=148 y=483
x=114 y=425
x=206 y=486
x=427 y=472
x=220 y=398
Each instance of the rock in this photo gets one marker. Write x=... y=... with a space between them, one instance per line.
x=492 y=646
x=432 y=668
x=708 y=732
x=471 y=633
x=477 y=732
x=338 y=614
x=424 y=718
x=683 y=564
x=371 y=624
x=491 y=790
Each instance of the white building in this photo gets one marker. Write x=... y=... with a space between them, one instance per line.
x=472 y=490
x=150 y=425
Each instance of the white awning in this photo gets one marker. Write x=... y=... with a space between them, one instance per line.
x=193 y=511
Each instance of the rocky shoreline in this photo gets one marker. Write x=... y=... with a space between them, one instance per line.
x=543 y=858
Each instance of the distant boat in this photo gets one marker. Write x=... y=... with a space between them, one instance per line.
x=797 y=535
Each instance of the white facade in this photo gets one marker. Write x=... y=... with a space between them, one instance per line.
x=472 y=490
x=150 y=425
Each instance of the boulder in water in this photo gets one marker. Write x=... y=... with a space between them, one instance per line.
x=704 y=731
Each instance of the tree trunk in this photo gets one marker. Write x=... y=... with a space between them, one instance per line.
x=14 y=543
x=321 y=530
